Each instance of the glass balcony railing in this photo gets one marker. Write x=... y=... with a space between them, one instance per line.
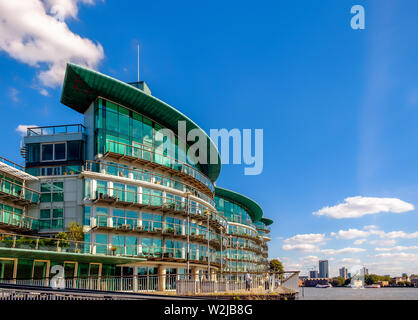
x=145 y=175
x=18 y=220
x=148 y=154
x=151 y=200
x=18 y=191
x=54 y=130
x=13 y=241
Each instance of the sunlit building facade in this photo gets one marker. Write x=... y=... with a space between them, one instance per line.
x=141 y=211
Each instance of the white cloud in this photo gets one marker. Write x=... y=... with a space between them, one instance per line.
x=23 y=128
x=343 y=250
x=351 y=234
x=355 y=207
x=305 y=247
x=62 y=9
x=44 y=92
x=34 y=32
x=359 y=241
x=304 y=238
x=390 y=242
x=397 y=248
x=350 y=261
x=401 y=235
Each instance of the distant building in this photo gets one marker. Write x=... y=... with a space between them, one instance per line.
x=314 y=282
x=344 y=272
x=313 y=274
x=414 y=282
x=365 y=271
x=323 y=269
x=383 y=283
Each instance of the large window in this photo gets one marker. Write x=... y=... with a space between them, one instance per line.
x=52 y=191
x=52 y=218
x=151 y=222
x=117 y=126
x=53 y=151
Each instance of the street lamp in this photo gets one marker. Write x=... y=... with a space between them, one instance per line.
x=188 y=232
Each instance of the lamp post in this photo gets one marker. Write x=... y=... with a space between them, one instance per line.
x=208 y=235
x=188 y=233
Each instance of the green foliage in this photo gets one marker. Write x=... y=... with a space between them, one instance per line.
x=75 y=232
x=374 y=278
x=276 y=266
x=338 y=282
x=63 y=239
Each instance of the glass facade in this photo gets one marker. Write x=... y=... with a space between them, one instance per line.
x=133 y=199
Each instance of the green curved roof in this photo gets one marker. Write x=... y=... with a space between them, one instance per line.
x=266 y=221
x=254 y=209
x=83 y=85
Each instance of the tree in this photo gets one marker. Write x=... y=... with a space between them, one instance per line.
x=63 y=238
x=276 y=266
x=75 y=232
x=338 y=281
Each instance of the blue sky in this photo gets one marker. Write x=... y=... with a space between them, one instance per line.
x=338 y=106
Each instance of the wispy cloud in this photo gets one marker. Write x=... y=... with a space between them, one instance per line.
x=397 y=248
x=14 y=94
x=355 y=207
x=34 y=32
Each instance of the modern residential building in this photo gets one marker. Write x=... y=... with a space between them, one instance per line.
x=323 y=269
x=141 y=211
x=344 y=272
x=313 y=274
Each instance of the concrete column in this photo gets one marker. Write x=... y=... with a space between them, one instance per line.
x=135 y=279
x=195 y=273
x=161 y=278
x=212 y=275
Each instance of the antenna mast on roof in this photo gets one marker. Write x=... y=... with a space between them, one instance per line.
x=138 y=61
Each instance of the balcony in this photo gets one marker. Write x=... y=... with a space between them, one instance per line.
x=160 y=228
x=23 y=246
x=17 y=193
x=145 y=175
x=17 y=222
x=126 y=198
x=146 y=156
x=54 y=130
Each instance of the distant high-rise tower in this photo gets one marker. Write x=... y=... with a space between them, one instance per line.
x=313 y=274
x=365 y=271
x=323 y=269
x=344 y=272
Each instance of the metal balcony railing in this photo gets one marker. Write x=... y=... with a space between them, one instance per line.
x=54 y=130
x=145 y=175
x=18 y=192
x=18 y=220
x=147 y=153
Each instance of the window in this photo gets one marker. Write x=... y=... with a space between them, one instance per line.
x=101 y=243
x=47 y=152
x=52 y=192
x=87 y=215
x=53 y=151
x=51 y=218
x=151 y=222
x=74 y=150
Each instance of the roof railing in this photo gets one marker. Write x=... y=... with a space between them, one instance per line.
x=12 y=164
x=54 y=130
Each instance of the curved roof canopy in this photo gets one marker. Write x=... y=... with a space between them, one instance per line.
x=254 y=209
x=83 y=85
x=266 y=221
